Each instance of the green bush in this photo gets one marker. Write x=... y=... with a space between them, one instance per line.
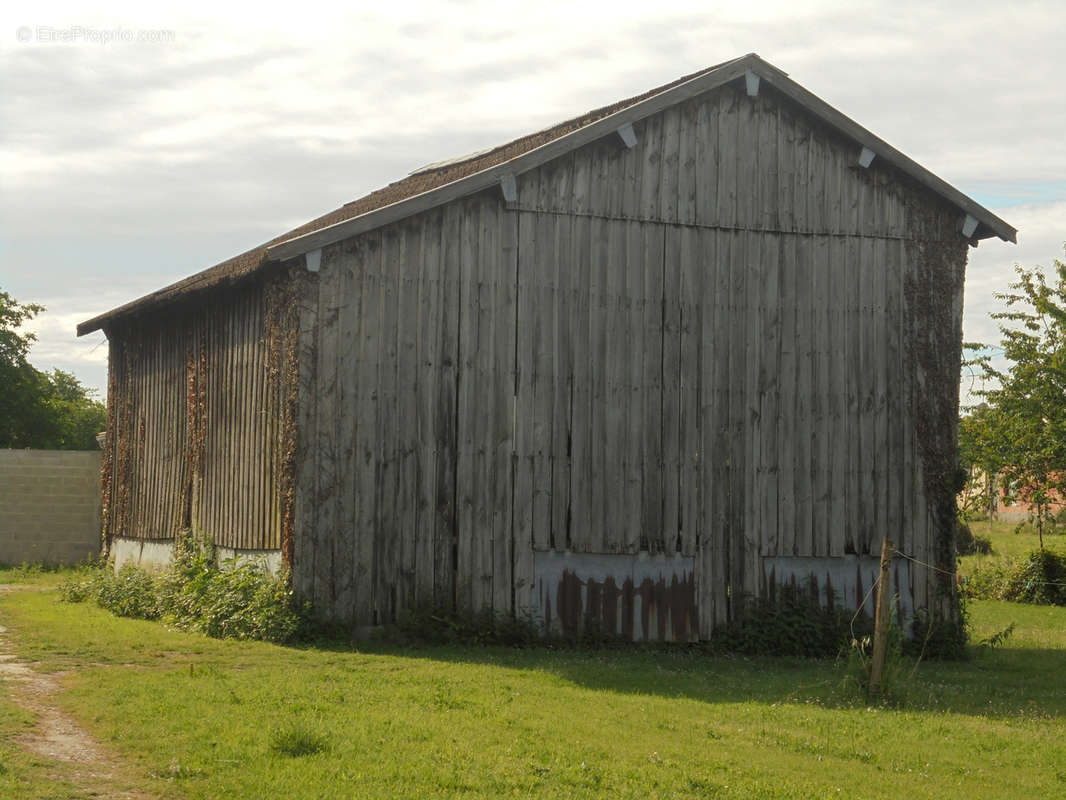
x=794 y=623
x=231 y=600
x=1039 y=578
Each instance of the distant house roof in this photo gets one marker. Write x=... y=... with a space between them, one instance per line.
x=444 y=181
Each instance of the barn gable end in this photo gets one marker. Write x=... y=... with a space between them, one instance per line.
x=646 y=381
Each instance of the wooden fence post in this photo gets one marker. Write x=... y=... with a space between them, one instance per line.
x=884 y=595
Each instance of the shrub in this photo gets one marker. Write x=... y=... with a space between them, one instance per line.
x=943 y=639
x=230 y=600
x=130 y=593
x=1039 y=578
x=792 y=624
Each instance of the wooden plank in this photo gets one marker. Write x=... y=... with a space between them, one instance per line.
x=409 y=378
x=544 y=294
x=614 y=413
x=837 y=406
x=752 y=326
x=688 y=149
x=879 y=367
x=428 y=361
x=894 y=367
x=651 y=151
x=348 y=266
x=669 y=167
x=525 y=446
x=583 y=537
x=767 y=214
x=504 y=368
x=788 y=430
x=821 y=487
x=853 y=359
x=386 y=530
x=445 y=530
x=634 y=537
x=802 y=453
x=868 y=443
x=709 y=555
x=706 y=168
x=326 y=530
x=562 y=370
x=306 y=477
x=722 y=474
x=671 y=389
x=600 y=471
x=468 y=413
x=690 y=301
x=728 y=131
x=632 y=371
x=364 y=407
x=769 y=392
x=483 y=419
x=652 y=387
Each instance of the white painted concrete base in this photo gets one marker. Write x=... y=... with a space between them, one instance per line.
x=158 y=554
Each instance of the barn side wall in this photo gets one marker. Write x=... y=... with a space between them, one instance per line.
x=200 y=422
x=730 y=343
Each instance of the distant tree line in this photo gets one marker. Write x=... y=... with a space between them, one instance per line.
x=42 y=410
x=1017 y=435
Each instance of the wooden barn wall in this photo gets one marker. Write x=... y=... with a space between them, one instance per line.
x=197 y=434
x=717 y=344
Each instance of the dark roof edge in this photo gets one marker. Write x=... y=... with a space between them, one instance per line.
x=163 y=294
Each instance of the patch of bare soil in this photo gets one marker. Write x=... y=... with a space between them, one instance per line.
x=56 y=735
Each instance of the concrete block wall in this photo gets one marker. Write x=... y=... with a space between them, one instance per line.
x=49 y=506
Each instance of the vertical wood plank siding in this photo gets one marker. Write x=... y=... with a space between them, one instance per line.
x=199 y=401
x=729 y=342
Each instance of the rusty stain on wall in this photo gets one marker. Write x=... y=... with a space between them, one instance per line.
x=640 y=597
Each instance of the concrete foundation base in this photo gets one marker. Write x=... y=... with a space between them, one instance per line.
x=158 y=554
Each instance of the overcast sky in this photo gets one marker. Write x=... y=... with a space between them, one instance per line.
x=188 y=137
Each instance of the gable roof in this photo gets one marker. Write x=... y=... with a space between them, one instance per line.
x=445 y=181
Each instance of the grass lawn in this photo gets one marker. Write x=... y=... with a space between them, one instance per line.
x=201 y=718
x=1006 y=543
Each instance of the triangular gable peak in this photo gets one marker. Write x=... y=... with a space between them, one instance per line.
x=620 y=124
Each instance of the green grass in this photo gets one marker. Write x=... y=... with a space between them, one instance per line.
x=35 y=574
x=1007 y=543
x=207 y=718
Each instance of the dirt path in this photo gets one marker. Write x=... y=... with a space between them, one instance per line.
x=57 y=736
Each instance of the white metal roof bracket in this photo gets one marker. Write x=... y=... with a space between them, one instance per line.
x=314 y=260
x=752 y=81
x=628 y=136
x=866 y=157
x=969 y=225
x=510 y=188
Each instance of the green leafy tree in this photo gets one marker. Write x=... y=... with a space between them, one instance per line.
x=1023 y=431
x=45 y=410
x=981 y=456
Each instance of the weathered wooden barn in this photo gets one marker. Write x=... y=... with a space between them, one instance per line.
x=637 y=367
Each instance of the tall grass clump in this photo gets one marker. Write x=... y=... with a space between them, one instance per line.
x=197 y=592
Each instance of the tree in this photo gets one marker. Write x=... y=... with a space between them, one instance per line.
x=50 y=411
x=1023 y=432
x=981 y=458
